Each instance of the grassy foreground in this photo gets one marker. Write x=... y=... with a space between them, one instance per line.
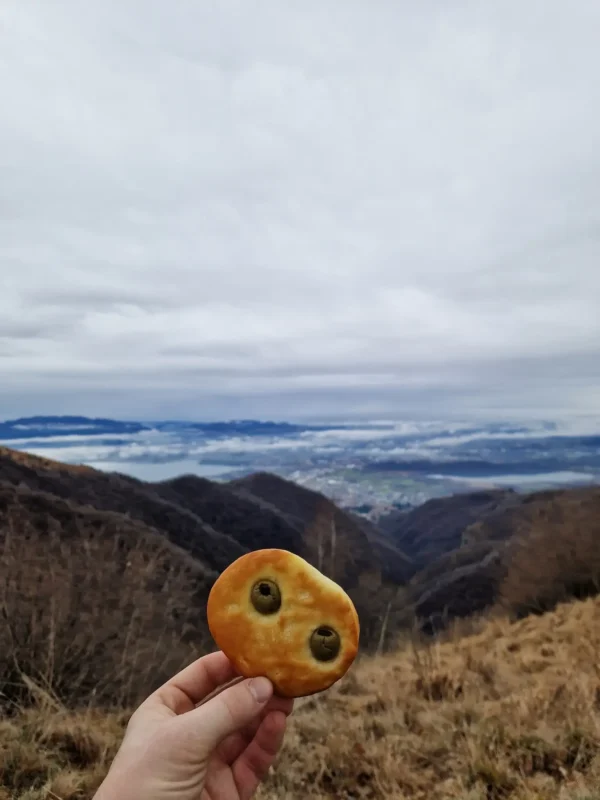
x=510 y=711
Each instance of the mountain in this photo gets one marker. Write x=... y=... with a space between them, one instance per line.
x=525 y=552
x=458 y=584
x=45 y=427
x=124 y=495
x=95 y=604
x=437 y=527
x=216 y=523
x=551 y=547
x=244 y=427
x=212 y=523
x=449 y=558
x=340 y=540
x=253 y=523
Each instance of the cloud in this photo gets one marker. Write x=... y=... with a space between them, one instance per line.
x=299 y=208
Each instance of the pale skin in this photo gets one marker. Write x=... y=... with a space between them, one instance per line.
x=176 y=749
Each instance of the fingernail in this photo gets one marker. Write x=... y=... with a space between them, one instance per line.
x=261 y=688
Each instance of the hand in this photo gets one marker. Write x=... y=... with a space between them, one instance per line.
x=221 y=750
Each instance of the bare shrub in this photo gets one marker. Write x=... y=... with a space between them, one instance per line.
x=100 y=616
x=554 y=556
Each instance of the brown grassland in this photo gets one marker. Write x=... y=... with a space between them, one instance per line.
x=507 y=710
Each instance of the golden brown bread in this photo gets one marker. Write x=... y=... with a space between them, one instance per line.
x=273 y=614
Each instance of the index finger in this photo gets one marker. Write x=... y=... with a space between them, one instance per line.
x=185 y=690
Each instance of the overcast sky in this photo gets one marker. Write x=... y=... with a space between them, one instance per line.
x=217 y=208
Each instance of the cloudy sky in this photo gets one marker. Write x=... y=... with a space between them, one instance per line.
x=222 y=208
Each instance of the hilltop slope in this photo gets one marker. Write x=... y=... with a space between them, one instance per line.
x=123 y=495
x=358 y=546
x=249 y=520
x=96 y=606
x=213 y=523
x=511 y=712
x=475 y=550
x=437 y=527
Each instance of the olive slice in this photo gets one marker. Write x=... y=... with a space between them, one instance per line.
x=325 y=643
x=265 y=596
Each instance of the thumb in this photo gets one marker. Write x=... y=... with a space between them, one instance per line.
x=230 y=711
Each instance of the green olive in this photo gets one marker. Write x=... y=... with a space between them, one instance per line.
x=325 y=643
x=265 y=596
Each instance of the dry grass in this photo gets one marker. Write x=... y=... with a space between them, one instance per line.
x=92 y=611
x=554 y=554
x=511 y=711
x=50 y=754
x=37 y=462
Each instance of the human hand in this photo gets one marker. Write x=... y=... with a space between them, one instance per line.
x=220 y=750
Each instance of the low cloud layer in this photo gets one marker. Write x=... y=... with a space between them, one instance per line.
x=299 y=209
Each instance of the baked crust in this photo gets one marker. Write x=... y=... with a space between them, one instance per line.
x=277 y=645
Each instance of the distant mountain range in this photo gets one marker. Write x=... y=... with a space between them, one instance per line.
x=245 y=427
x=48 y=426
x=42 y=427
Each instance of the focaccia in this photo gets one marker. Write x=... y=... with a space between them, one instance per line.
x=274 y=614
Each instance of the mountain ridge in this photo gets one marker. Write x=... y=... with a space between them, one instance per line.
x=450 y=557
x=213 y=522
x=309 y=505
x=43 y=426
